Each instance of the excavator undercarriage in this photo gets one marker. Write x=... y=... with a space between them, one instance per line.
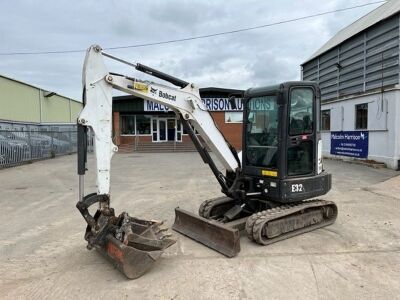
x=274 y=223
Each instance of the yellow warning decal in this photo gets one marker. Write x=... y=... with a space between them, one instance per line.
x=269 y=173
x=141 y=87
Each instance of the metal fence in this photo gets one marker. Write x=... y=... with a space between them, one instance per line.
x=19 y=146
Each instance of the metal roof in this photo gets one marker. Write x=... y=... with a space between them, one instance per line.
x=36 y=87
x=383 y=12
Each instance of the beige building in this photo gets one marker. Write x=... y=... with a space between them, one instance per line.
x=23 y=103
x=34 y=123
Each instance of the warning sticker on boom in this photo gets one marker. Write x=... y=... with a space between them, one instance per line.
x=141 y=87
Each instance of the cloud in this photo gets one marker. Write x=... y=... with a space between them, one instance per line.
x=252 y=58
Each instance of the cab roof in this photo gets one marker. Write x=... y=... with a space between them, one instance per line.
x=273 y=89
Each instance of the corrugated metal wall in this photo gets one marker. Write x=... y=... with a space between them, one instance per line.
x=367 y=61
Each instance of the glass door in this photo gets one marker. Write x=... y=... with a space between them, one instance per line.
x=162 y=130
x=171 y=129
x=178 y=131
x=154 y=131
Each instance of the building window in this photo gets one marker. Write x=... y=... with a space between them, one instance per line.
x=143 y=124
x=127 y=124
x=233 y=117
x=326 y=119
x=362 y=116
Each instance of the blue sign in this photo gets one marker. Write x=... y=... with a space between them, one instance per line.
x=350 y=143
x=152 y=106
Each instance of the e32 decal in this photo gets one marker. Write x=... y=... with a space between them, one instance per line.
x=296 y=188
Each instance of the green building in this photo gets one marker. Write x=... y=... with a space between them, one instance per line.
x=34 y=123
x=23 y=103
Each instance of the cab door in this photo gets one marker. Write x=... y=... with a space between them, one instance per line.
x=261 y=135
x=301 y=131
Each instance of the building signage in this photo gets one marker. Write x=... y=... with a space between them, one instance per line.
x=152 y=106
x=222 y=104
x=350 y=143
x=262 y=104
x=212 y=104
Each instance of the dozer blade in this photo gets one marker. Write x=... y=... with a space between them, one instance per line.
x=213 y=234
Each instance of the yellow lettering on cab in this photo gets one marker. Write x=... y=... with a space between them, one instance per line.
x=269 y=173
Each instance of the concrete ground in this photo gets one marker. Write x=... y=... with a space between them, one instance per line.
x=43 y=254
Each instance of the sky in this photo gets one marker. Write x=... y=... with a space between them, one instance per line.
x=239 y=61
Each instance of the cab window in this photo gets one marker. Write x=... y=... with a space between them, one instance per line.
x=301 y=111
x=262 y=131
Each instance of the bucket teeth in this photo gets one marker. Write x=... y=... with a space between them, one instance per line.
x=166 y=236
x=160 y=230
x=156 y=222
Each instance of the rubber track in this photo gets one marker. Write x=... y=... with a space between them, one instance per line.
x=207 y=206
x=256 y=222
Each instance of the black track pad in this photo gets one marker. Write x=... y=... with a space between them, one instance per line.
x=233 y=213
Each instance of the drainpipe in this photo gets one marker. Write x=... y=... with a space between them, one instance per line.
x=397 y=130
x=70 y=110
x=396 y=121
x=40 y=106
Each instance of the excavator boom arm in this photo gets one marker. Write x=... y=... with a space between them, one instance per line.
x=185 y=102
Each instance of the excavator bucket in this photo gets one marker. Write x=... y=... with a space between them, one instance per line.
x=132 y=261
x=215 y=235
x=132 y=244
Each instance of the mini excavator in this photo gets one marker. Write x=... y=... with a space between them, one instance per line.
x=268 y=189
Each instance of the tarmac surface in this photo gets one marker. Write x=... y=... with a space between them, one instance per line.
x=43 y=254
